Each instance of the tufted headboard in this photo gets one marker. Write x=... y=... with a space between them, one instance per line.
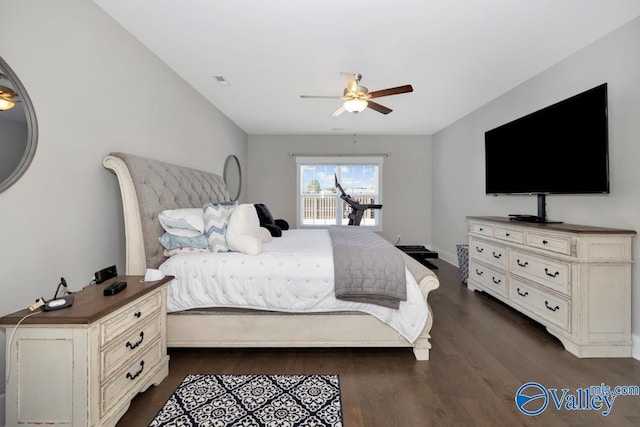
x=147 y=188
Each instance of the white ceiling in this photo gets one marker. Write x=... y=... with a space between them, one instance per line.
x=457 y=54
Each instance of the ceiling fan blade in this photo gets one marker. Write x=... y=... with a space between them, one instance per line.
x=339 y=111
x=379 y=108
x=320 y=97
x=390 y=91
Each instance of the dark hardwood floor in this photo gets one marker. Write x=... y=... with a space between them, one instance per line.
x=483 y=351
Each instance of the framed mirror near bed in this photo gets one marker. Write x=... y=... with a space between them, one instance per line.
x=18 y=127
x=232 y=176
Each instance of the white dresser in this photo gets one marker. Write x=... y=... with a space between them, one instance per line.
x=573 y=279
x=82 y=365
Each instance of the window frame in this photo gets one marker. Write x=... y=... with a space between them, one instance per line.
x=339 y=160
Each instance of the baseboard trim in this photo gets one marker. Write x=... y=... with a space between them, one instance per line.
x=449 y=257
x=2 y=410
x=635 y=346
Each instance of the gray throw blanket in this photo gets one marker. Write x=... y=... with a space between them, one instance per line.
x=367 y=268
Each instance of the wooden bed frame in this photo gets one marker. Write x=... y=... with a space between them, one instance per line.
x=149 y=186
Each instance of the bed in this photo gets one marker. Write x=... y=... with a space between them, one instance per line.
x=149 y=187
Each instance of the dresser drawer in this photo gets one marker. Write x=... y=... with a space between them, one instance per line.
x=548 y=272
x=549 y=242
x=555 y=309
x=487 y=252
x=489 y=278
x=129 y=378
x=129 y=345
x=482 y=229
x=509 y=234
x=134 y=314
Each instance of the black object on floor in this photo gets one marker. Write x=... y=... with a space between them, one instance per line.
x=420 y=254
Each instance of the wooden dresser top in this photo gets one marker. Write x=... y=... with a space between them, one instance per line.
x=89 y=304
x=569 y=228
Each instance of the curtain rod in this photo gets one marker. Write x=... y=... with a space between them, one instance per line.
x=339 y=155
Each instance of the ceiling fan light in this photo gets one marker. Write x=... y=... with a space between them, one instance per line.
x=355 y=105
x=5 y=104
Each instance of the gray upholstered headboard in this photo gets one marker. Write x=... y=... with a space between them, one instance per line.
x=150 y=186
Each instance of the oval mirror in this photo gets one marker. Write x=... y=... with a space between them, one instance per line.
x=232 y=176
x=18 y=128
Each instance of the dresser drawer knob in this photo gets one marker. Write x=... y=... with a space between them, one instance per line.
x=134 y=345
x=497 y=282
x=522 y=294
x=546 y=304
x=497 y=256
x=546 y=270
x=507 y=234
x=479 y=249
x=544 y=242
x=478 y=272
x=137 y=314
x=522 y=264
x=134 y=376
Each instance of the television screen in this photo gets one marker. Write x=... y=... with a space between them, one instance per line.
x=561 y=149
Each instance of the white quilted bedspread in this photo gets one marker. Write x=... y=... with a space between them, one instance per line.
x=294 y=274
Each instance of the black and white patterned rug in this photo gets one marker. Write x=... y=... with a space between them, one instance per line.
x=253 y=401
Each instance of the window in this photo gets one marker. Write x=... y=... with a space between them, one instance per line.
x=318 y=199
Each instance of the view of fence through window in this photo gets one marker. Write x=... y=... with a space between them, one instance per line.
x=320 y=199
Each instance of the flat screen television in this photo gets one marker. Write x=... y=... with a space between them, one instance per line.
x=560 y=149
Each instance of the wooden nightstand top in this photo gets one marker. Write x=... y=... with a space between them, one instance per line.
x=89 y=304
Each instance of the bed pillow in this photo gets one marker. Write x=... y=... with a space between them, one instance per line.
x=171 y=252
x=265 y=235
x=216 y=221
x=187 y=222
x=266 y=220
x=169 y=241
x=243 y=232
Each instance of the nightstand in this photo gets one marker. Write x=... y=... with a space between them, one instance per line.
x=82 y=365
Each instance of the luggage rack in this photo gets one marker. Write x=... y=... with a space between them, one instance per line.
x=420 y=254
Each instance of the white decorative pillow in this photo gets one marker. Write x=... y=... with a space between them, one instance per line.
x=187 y=222
x=265 y=235
x=216 y=221
x=243 y=233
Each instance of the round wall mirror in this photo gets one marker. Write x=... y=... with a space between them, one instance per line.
x=232 y=177
x=18 y=128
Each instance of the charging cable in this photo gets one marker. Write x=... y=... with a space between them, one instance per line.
x=8 y=349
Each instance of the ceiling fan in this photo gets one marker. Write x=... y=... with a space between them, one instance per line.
x=357 y=97
x=8 y=97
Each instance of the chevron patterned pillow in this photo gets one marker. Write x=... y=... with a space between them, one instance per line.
x=216 y=220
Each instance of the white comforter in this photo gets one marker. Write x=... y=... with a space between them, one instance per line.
x=294 y=273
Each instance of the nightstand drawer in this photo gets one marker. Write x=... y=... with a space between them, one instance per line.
x=492 y=254
x=117 y=387
x=128 y=346
x=548 y=272
x=546 y=305
x=133 y=315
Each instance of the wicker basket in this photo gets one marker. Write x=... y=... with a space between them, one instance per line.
x=463 y=262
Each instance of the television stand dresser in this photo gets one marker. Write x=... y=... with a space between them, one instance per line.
x=573 y=279
x=82 y=365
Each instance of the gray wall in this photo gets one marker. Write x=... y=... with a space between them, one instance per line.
x=95 y=90
x=406 y=187
x=458 y=151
